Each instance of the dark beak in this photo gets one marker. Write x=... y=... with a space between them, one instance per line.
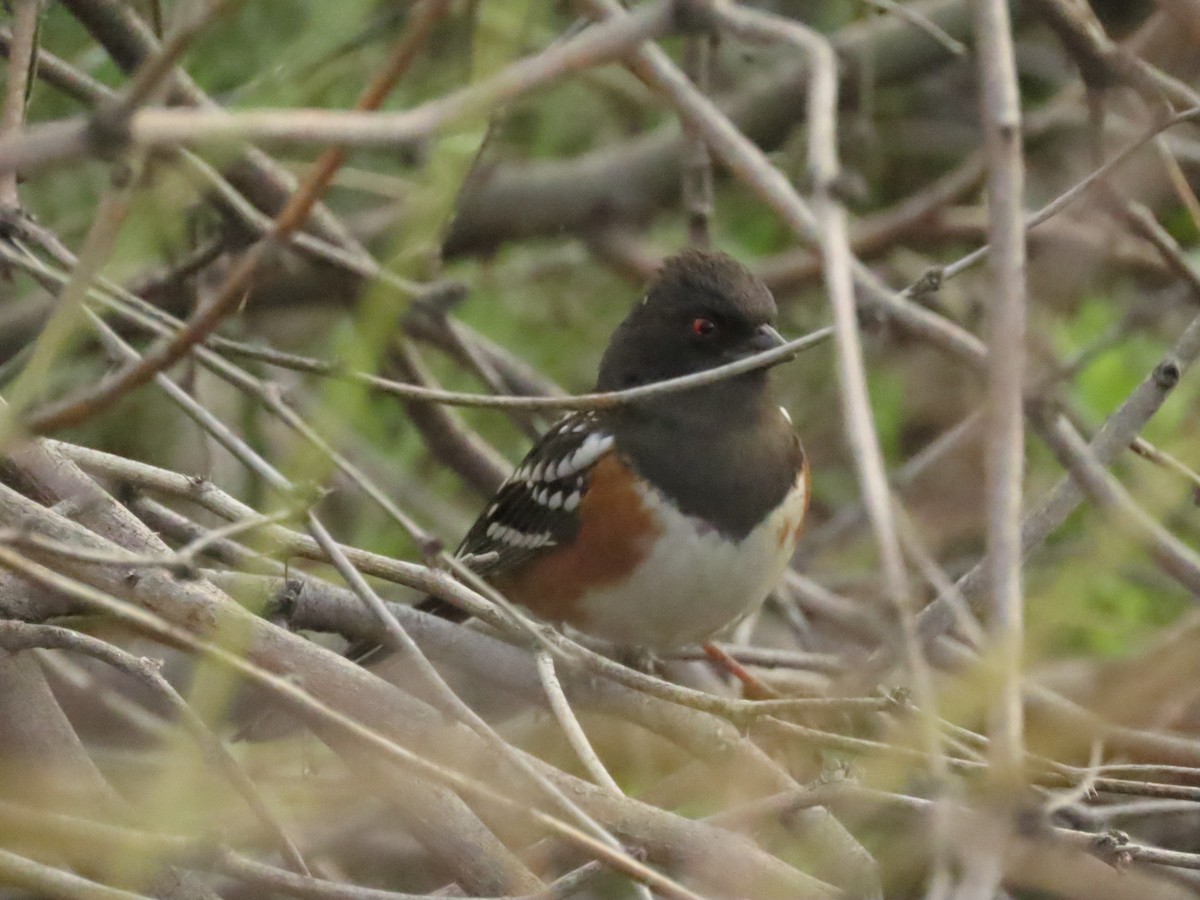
x=766 y=338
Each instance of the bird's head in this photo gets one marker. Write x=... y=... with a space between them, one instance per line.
x=704 y=309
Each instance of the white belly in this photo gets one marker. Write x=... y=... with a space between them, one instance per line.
x=695 y=582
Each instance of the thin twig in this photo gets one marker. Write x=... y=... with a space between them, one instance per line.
x=570 y=726
x=923 y=23
x=154 y=74
x=22 y=60
x=1077 y=190
x=1005 y=422
x=1176 y=558
x=604 y=400
x=609 y=400
x=1160 y=457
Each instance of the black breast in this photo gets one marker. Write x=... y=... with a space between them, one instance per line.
x=731 y=478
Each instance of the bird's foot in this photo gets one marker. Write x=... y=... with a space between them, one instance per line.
x=752 y=687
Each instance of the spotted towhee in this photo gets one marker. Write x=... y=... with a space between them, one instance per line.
x=658 y=523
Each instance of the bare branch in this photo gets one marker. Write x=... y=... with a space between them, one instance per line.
x=22 y=62
x=1005 y=422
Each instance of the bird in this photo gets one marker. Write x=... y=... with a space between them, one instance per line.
x=657 y=523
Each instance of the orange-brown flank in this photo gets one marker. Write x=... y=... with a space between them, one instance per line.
x=616 y=534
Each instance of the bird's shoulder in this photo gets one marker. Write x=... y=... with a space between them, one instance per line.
x=537 y=508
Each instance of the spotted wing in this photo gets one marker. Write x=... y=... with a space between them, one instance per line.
x=537 y=507
x=534 y=510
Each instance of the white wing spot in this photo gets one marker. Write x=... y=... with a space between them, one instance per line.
x=786 y=414
x=593 y=447
x=571 y=502
x=556 y=501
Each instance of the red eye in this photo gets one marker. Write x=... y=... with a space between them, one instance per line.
x=703 y=326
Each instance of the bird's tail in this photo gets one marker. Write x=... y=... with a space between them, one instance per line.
x=369 y=650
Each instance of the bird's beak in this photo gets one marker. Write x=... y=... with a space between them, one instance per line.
x=766 y=338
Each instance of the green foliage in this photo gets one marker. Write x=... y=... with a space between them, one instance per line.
x=1102 y=598
x=1100 y=601
x=315 y=56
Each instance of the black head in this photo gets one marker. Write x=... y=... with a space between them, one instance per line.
x=704 y=309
